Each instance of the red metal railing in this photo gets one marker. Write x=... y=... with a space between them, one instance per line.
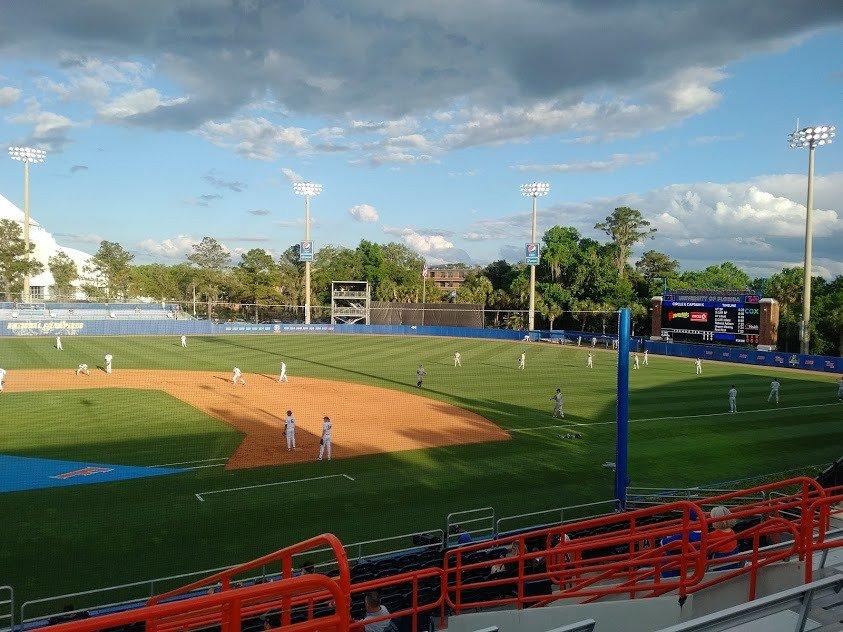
x=584 y=566
x=815 y=532
x=643 y=553
x=227 y=609
x=413 y=579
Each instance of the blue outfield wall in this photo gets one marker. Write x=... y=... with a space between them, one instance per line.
x=169 y=327
x=747 y=356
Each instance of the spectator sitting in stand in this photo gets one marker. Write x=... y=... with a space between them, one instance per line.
x=456 y=531
x=722 y=540
x=693 y=536
x=374 y=609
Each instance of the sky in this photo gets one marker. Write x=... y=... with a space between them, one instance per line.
x=168 y=120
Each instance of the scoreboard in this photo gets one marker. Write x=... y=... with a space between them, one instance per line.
x=729 y=318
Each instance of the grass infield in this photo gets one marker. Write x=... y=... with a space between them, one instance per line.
x=87 y=536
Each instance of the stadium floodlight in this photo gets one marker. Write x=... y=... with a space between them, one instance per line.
x=533 y=190
x=28 y=156
x=809 y=138
x=307 y=190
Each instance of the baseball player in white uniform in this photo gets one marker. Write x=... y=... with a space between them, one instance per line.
x=237 y=376
x=108 y=360
x=558 y=400
x=282 y=375
x=733 y=399
x=698 y=366
x=82 y=368
x=184 y=342
x=457 y=358
x=646 y=358
x=290 y=430
x=590 y=362
x=593 y=342
x=579 y=340
x=420 y=373
x=637 y=364
x=2 y=379
x=325 y=442
x=774 y=390
x=58 y=343
x=522 y=361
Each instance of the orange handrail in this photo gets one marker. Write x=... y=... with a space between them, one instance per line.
x=283 y=556
x=226 y=609
x=821 y=508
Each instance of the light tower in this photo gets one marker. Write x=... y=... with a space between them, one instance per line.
x=809 y=138
x=28 y=156
x=533 y=190
x=307 y=190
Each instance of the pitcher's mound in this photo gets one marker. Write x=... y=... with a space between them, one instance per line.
x=366 y=419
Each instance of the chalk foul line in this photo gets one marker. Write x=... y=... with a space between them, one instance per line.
x=201 y=495
x=726 y=413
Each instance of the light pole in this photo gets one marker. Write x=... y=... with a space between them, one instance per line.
x=307 y=190
x=28 y=156
x=809 y=138
x=533 y=190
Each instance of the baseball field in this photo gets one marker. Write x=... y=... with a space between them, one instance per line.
x=209 y=481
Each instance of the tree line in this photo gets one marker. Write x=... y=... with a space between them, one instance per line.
x=580 y=281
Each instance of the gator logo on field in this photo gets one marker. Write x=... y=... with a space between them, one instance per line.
x=85 y=471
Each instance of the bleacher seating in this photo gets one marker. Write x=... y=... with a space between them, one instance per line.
x=617 y=555
x=90 y=311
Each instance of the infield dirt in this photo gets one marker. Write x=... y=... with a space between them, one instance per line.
x=366 y=419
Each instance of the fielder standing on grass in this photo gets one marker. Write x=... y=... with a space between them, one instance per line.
x=590 y=362
x=325 y=441
x=698 y=366
x=774 y=390
x=108 y=359
x=184 y=342
x=646 y=358
x=420 y=373
x=637 y=364
x=733 y=399
x=522 y=360
x=557 y=400
x=58 y=343
x=457 y=358
x=290 y=430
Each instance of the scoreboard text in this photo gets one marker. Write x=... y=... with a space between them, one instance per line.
x=734 y=319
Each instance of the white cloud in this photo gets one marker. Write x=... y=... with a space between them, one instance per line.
x=364 y=213
x=137 y=102
x=173 y=248
x=610 y=164
x=291 y=175
x=392 y=156
x=9 y=96
x=49 y=130
x=425 y=244
x=702 y=223
x=258 y=138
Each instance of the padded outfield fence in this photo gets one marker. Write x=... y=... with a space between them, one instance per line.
x=174 y=327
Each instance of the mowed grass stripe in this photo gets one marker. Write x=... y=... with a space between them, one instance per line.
x=122 y=532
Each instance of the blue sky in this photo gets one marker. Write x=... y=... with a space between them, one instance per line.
x=168 y=121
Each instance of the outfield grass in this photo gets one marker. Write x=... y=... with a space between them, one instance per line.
x=118 y=532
